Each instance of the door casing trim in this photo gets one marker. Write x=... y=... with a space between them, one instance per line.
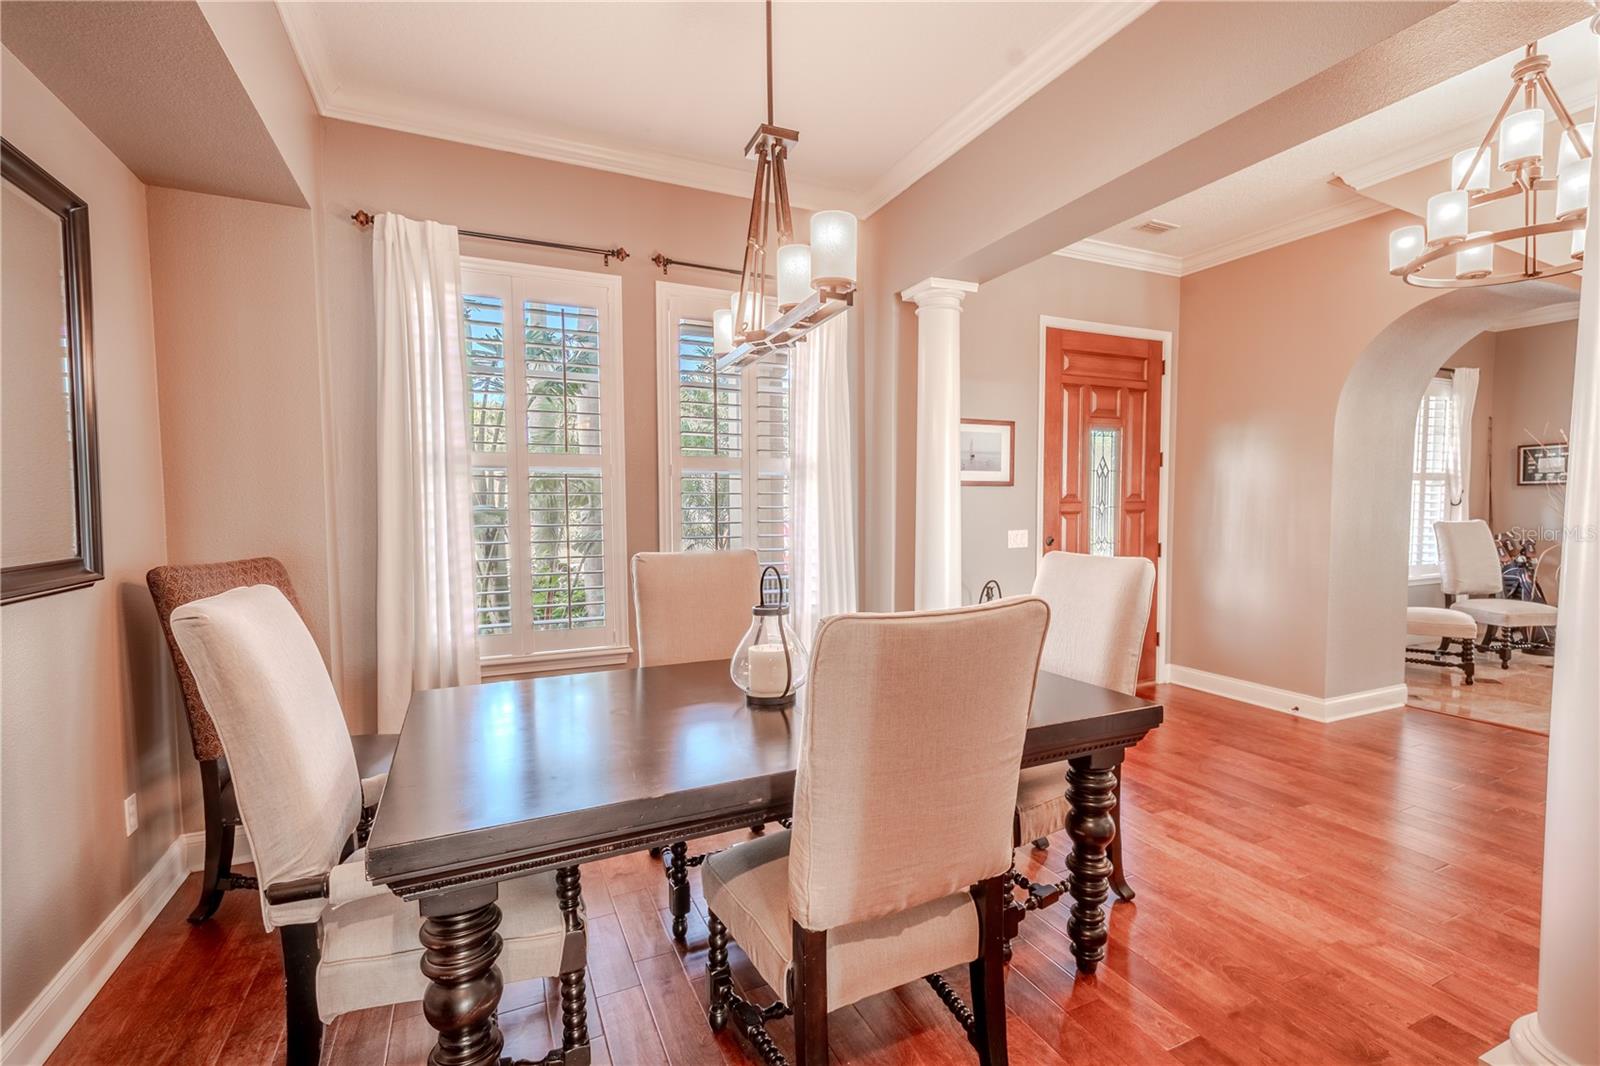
x=1169 y=355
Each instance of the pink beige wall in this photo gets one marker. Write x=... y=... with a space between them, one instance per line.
x=1268 y=343
x=476 y=188
x=240 y=390
x=1532 y=404
x=1000 y=378
x=83 y=675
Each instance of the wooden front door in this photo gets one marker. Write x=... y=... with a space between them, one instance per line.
x=1102 y=451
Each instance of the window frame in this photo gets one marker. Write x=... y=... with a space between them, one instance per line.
x=1425 y=573
x=676 y=301
x=527 y=650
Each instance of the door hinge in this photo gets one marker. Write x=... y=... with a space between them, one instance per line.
x=1161 y=460
x=1158 y=549
x=1158 y=638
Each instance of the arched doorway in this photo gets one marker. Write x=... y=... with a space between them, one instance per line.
x=1370 y=479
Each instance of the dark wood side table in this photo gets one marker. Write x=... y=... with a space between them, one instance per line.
x=497 y=781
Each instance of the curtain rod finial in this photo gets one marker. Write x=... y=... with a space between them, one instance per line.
x=362 y=219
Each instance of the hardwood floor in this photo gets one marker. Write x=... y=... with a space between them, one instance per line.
x=1365 y=892
x=1517 y=697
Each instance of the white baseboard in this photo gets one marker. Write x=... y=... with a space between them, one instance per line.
x=1316 y=708
x=194 y=849
x=34 y=1035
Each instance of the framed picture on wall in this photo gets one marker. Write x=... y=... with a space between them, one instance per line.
x=988 y=450
x=1541 y=464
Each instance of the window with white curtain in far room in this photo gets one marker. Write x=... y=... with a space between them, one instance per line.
x=725 y=438
x=1430 y=490
x=543 y=362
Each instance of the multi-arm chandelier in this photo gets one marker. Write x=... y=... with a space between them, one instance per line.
x=815 y=281
x=1520 y=136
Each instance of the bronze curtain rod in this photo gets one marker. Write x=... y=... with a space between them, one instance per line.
x=363 y=219
x=664 y=262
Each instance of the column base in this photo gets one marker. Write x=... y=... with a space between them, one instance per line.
x=1526 y=1046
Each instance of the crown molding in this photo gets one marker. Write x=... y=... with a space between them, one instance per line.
x=1309 y=225
x=1120 y=255
x=1090 y=26
x=1440 y=146
x=1566 y=311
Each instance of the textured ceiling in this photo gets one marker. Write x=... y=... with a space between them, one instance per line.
x=151 y=81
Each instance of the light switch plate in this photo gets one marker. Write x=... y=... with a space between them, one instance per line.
x=1017 y=538
x=130 y=814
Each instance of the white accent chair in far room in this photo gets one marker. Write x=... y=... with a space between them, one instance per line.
x=347 y=944
x=896 y=866
x=1099 y=610
x=1469 y=577
x=691 y=607
x=1451 y=627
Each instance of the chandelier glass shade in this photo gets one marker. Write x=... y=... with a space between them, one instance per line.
x=1518 y=137
x=814 y=282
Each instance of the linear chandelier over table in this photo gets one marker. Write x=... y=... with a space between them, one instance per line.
x=1520 y=136
x=815 y=281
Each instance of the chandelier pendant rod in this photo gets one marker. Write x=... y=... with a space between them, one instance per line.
x=1488 y=138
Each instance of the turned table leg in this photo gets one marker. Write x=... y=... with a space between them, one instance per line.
x=1119 y=878
x=678 y=889
x=1091 y=790
x=574 y=993
x=461 y=945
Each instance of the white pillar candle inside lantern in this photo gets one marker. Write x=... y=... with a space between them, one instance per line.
x=770 y=663
x=722 y=331
x=1475 y=262
x=1447 y=217
x=1522 y=138
x=794 y=275
x=1572 y=176
x=1404 y=245
x=1479 y=181
x=833 y=249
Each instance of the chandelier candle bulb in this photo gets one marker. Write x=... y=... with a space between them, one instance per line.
x=1475 y=262
x=1447 y=217
x=794 y=275
x=833 y=250
x=1522 y=138
x=722 y=330
x=1405 y=244
x=1479 y=181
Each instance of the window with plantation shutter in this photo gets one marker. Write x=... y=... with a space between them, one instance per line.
x=1430 y=495
x=543 y=363
x=725 y=438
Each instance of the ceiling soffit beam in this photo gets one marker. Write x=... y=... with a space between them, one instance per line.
x=1054 y=171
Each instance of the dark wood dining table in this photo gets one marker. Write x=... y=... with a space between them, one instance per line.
x=497 y=781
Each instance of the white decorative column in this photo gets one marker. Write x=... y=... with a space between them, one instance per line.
x=1565 y=1030
x=938 y=559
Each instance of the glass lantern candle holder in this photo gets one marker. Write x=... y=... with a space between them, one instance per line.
x=770 y=663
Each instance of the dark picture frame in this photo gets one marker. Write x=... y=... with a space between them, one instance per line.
x=87 y=566
x=994 y=465
x=1536 y=464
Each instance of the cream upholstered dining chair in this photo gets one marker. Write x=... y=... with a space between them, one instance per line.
x=691 y=607
x=1099 y=610
x=347 y=944
x=896 y=865
x=171 y=587
x=1469 y=577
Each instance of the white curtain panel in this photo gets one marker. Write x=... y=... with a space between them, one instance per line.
x=824 y=578
x=1458 y=457
x=427 y=634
